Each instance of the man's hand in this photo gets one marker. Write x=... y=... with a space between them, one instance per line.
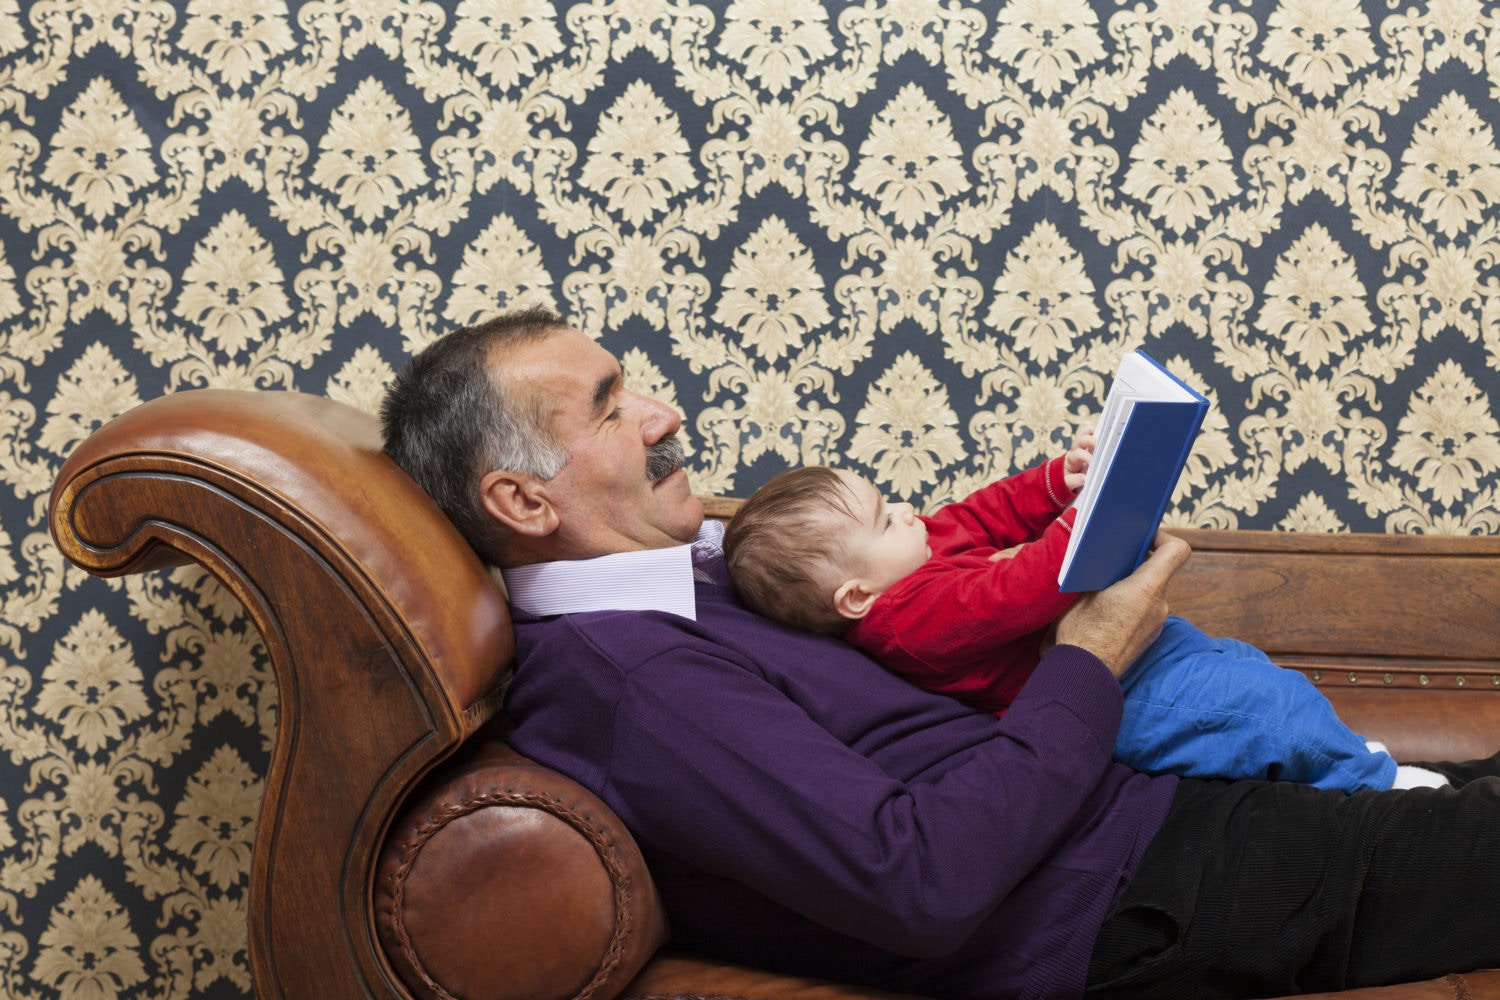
x=1118 y=623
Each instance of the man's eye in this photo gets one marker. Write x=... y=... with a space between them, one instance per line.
x=613 y=414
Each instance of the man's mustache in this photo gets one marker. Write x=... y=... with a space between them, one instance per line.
x=663 y=458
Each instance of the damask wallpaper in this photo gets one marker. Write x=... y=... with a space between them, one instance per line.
x=913 y=236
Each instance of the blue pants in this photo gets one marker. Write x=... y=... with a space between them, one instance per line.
x=1218 y=708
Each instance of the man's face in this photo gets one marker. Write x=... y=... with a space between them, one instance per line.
x=604 y=495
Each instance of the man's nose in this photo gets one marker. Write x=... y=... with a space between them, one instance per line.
x=658 y=420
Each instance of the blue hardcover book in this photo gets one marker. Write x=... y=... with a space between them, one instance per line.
x=1145 y=433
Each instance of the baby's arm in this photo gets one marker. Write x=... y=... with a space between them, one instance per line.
x=1012 y=510
x=1076 y=461
x=970 y=607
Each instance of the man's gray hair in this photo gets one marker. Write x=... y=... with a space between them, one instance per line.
x=450 y=417
x=521 y=437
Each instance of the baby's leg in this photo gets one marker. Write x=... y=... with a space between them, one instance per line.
x=1203 y=707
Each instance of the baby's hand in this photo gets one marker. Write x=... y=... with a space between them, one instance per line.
x=1076 y=462
x=1009 y=553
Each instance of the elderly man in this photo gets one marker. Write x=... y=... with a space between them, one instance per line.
x=802 y=809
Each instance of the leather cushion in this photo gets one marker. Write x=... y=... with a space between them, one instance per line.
x=504 y=879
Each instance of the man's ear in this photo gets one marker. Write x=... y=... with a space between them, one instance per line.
x=853 y=599
x=519 y=501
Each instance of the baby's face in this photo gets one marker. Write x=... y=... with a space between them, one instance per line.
x=885 y=541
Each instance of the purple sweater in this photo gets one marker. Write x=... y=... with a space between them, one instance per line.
x=804 y=810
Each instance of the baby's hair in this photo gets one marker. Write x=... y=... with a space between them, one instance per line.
x=781 y=550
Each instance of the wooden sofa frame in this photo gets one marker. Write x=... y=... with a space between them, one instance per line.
x=404 y=851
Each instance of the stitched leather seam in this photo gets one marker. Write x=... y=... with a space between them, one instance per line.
x=581 y=823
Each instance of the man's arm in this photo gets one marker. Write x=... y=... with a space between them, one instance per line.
x=725 y=772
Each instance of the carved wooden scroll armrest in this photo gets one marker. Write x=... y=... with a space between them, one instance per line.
x=388 y=638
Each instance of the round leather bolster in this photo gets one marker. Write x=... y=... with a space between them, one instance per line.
x=504 y=879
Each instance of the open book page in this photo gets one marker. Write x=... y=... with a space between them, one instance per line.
x=1141 y=488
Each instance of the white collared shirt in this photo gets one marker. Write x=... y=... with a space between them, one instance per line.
x=648 y=580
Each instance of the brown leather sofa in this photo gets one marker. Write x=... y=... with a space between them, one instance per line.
x=403 y=850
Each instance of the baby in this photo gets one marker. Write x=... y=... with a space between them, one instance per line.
x=963 y=602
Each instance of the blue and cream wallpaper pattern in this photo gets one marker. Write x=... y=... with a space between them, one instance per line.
x=910 y=236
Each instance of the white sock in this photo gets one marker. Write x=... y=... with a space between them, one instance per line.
x=1411 y=776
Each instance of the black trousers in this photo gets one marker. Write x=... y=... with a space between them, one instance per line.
x=1257 y=889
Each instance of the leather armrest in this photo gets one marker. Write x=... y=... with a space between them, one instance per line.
x=503 y=879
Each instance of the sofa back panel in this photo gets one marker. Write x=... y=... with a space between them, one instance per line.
x=1400 y=600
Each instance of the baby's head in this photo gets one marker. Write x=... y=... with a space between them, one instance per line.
x=815 y=546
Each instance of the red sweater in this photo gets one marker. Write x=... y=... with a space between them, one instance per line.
x=966 y=626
